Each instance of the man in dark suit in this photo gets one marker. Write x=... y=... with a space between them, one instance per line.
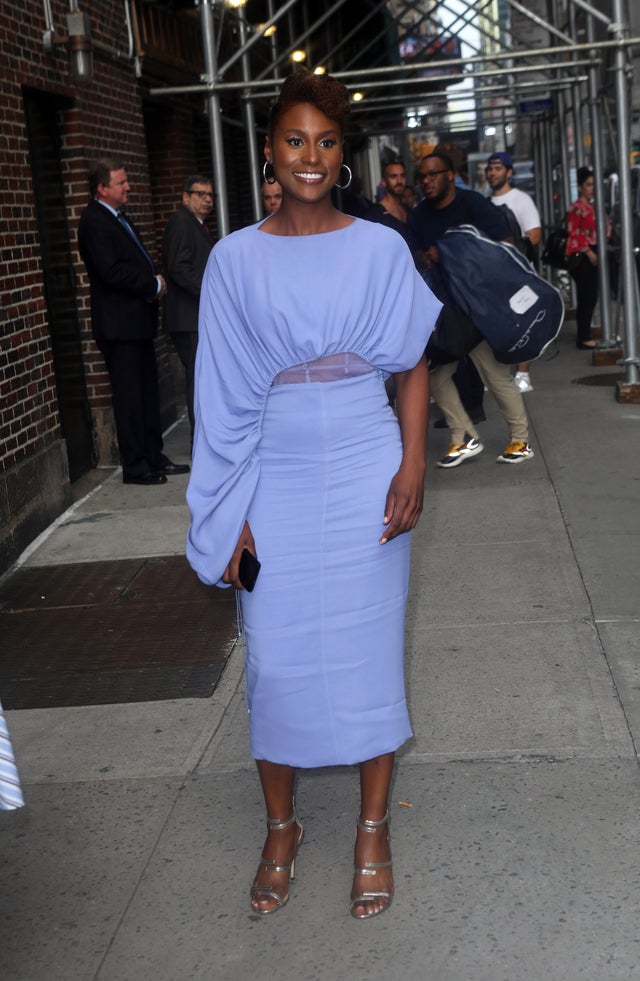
x=125 y=290
x=186 y=245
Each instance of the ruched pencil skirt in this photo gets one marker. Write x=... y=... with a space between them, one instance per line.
x=325 y=623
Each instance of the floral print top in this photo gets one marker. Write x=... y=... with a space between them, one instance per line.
x=581 y=227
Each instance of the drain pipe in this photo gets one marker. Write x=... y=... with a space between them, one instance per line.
x=115 y=53
x=50 y=38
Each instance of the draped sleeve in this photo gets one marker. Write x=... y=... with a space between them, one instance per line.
x=271 y=302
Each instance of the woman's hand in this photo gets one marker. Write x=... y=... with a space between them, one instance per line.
x=592 y=257
x=403 y=504
x=246 y=540
x=405 y=496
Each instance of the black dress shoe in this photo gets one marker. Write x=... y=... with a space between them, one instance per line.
x=171 y=469
x=145 y=478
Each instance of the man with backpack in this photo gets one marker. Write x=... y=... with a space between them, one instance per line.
x=524 y=224
x=444 y=206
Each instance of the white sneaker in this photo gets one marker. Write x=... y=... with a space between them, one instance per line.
x=523 y=381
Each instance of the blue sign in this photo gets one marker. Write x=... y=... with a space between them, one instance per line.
x=532 y=106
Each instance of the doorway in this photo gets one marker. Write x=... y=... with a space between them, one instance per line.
x=42 y=113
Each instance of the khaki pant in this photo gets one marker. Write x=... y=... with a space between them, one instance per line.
x=498 y=379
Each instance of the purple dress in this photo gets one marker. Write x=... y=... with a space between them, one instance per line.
x=306 y=456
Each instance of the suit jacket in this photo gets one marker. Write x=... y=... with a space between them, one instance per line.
x=123 y=283
x=185 y=251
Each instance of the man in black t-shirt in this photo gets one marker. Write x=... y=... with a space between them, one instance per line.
x=390 y=210
x=446 y=206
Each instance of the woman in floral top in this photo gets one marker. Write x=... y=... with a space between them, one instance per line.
x=581 y=240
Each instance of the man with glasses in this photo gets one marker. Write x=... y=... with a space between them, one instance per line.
x=186 y=245
x=125 y=290
x=444 y=206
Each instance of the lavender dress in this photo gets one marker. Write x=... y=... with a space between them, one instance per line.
x=295 y=435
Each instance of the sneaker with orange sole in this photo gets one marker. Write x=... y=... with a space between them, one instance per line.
x=459 y=452
x=516 y=452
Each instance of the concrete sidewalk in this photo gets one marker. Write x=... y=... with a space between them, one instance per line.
x=518 y=859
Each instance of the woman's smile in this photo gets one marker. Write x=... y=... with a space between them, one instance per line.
x=307 y=176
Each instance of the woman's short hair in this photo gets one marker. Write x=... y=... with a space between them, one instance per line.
x=322 y=91
x=584 y=173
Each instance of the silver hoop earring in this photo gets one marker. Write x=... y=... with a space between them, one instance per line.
x=343 y=187
x=271 y=178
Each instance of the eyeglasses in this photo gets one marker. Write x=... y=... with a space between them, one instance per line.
x=202 y=194
x=432 y=174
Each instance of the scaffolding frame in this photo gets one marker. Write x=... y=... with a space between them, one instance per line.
x=564 y=67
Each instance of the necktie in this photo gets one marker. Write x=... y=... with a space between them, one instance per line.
x=10 y=792
x=125 y=224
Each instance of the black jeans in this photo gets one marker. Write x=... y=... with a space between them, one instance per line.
x=586 y=279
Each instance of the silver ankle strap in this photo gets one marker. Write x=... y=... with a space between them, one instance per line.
x=273 y=824
x=371 y=826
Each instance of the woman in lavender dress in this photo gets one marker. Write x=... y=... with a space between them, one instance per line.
x=299 y=459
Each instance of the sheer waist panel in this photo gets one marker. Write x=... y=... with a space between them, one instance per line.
x=332 y=368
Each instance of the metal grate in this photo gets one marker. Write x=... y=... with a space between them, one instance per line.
x=112 y=632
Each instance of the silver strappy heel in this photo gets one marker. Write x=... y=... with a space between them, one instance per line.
x=371 y=869
x=259 y=891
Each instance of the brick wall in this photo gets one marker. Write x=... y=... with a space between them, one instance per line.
x=113 y=115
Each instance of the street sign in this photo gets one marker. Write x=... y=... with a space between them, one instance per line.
x=533 y=106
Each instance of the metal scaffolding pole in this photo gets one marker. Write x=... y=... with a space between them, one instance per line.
x=255 y=38
x=430 y=66
x=578 y=131
x=545 y=24
x=564 y=150
x=274 y=41
x=547 y=149
x=248 y=111
x=628 y=266
x=545 y=206
x=537 y=172
x=607 y=339
x=215 y=120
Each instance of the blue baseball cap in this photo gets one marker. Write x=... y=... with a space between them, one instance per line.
x=501 y=157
